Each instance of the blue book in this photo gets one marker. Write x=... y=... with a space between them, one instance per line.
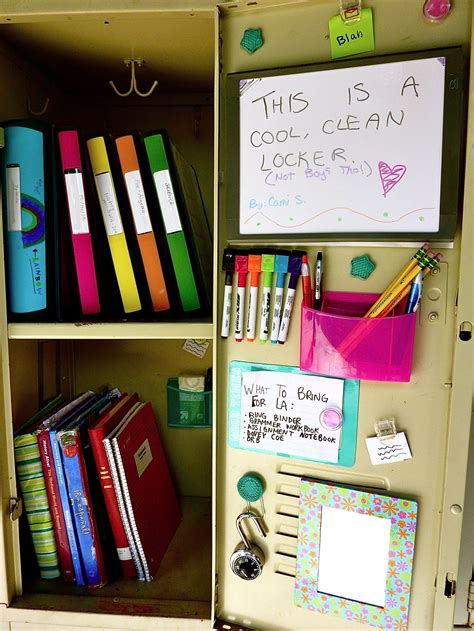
x=54 y=424
x=70 y=445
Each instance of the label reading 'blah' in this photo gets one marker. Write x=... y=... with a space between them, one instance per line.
x=353 y=37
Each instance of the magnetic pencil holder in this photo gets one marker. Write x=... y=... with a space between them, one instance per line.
x=187 y=408
x=338 y=341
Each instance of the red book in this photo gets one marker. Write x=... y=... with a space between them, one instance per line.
x=57 y=515
x=97 y=433
x=150 y=497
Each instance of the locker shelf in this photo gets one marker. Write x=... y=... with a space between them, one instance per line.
x=182 y=586
x=110 y=330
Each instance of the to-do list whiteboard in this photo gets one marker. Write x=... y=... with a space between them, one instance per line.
x=345 y=150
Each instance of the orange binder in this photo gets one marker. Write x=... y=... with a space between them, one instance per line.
x=141 y=218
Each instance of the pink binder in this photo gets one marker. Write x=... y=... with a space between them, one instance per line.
x=78 y=221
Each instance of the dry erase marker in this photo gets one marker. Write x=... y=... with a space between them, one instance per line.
x=241 y=267
x=268 y=267
x=254 y=267
x=306 y=280
x=228 y=265
x=294 y=267
x=281 y=268
x=318 y=282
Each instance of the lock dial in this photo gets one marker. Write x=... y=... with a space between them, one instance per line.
x=247 y=563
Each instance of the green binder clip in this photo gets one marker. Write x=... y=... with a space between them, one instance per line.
x=250 y=488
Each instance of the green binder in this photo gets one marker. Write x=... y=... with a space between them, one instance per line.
x=186 y=226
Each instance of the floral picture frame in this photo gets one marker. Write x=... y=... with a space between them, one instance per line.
x=403 y=515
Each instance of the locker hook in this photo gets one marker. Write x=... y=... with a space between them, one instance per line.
x=133 y=81
x=39 y=112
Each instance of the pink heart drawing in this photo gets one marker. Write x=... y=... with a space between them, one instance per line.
x=390 y=176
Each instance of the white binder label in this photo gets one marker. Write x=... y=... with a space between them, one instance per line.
x=13 y=198
x=108 y=204
x=124 y=554
x=143 y=457
x=136 y=195
x=77 y=203
x=167 y=200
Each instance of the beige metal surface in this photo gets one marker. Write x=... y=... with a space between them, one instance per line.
x=110 y=330
x=435 y=416
x=91 y=50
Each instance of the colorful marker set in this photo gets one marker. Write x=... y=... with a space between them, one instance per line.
x=244 y=263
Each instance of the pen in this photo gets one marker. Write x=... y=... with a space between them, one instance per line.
x=254 y=267
x=281 y=268
x=415 y=293
x=228 y=265
x=318 y=282
x=241 y=267
x=306 y=280
x=268 y=267
x=294 y=267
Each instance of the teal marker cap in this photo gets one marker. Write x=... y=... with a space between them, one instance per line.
x=281 y=267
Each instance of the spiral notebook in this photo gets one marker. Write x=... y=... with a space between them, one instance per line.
x=145 y=484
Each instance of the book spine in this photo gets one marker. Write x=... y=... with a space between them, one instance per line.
x=82 y=510
x=129 y=509
x=63 y=494
x=35 y=501
x=64 y=551
x=123 y=511
x=110 y=498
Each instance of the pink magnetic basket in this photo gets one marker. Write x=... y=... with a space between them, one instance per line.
x=339 y=342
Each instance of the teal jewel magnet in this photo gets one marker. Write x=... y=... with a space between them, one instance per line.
x=250 y=489
x=252 y=40
x=362 y=266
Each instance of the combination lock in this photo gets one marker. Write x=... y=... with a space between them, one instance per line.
x=247 y=559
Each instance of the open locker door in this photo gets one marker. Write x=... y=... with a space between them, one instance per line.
x=432 y=408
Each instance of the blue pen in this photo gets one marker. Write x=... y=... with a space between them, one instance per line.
x=281 y=268
x=415 y=293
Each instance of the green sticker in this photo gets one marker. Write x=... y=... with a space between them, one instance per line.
x=351 y=38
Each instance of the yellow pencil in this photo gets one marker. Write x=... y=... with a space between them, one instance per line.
x=412 y=263
x=432 y=263
x=405 y=281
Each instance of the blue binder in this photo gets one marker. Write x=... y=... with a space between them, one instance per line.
x=25 y=215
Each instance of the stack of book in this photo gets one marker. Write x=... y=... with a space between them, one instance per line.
x=92 y=471
x=110 y=227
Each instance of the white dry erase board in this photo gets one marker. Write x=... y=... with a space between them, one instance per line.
x=347 y=149
x=284 y=411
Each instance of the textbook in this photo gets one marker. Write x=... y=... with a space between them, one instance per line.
x=97 y=432
x=79 y=221
x=187 y=228
x=150 y=498
x=113 y=224
x=31 y=229
x=56 y=486
x=69 y=439
x=141 y=211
